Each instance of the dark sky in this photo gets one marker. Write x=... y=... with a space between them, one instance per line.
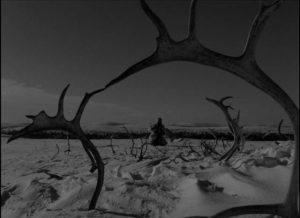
x=48 y=44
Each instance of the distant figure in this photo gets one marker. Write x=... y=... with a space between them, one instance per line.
x=158 y=133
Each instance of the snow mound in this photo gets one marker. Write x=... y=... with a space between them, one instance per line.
x=25 y=198
x=74 y=191
x=264 y=185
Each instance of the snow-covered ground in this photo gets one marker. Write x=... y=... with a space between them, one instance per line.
x=38 y=180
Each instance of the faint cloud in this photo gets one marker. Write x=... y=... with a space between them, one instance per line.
x=19 y=99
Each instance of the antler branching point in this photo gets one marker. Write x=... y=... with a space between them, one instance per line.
x=42 y=121
x=162 y=30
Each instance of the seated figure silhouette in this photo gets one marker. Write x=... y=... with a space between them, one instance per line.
x=158 y=133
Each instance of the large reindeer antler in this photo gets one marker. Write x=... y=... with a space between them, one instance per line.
x=58 y=122
x=244 y=66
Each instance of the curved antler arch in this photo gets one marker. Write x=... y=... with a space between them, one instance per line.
x=244 y=66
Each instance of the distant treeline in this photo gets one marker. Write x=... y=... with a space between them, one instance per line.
x=253 y=136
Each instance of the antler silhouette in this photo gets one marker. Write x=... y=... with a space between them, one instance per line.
x=42 y=121
x=234 y=127
x=244 y=66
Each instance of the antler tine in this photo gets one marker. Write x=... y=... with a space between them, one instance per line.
x=225 y=98
x=60 y=110
x=20 y=133
x=220 y=103
x=264 y=13
x=163 y=32
x=30 y=117
x=211 y=100
x=279 y=127
x=83 y=103
x=192 y=19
